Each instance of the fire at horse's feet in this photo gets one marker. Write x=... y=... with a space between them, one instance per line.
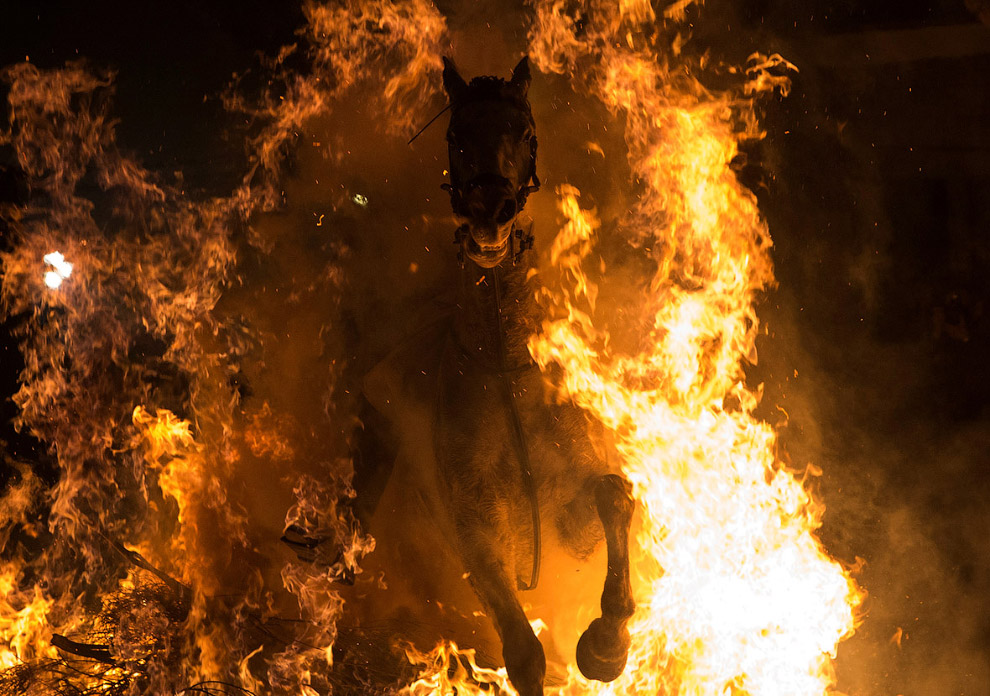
x=491 y=459
x=525 y=662
x=602 y=650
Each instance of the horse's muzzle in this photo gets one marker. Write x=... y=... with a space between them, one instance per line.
x=488 y=206
x=487 y=245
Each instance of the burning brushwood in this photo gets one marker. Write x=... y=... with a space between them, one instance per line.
x=134 y=643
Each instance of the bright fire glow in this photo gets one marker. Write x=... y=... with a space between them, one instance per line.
x=448 y=669
x=736 y=595
x=62 y=269
x=24 y=631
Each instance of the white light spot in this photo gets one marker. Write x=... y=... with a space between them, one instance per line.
x=58 y=262
x=61 y=269
x=360 y=200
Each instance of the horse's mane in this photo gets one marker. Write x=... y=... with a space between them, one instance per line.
x=490 y=88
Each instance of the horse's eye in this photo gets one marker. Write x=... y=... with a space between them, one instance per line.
x=507 y=211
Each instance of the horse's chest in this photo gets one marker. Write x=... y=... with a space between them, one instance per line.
x=494 y=428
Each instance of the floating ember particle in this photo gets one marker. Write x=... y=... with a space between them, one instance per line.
x=898 y=636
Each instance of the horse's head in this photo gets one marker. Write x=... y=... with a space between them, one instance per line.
x=492 y=146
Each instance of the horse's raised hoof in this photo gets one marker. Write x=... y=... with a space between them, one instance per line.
x=526 y=664
x=602 y=650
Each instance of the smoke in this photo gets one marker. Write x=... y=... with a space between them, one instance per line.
x=874 y=332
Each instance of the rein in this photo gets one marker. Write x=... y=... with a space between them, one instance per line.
x=430 y=122
x=504 y=374
x=519 y=438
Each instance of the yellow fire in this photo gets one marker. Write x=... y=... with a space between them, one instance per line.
x=736 y=595
x=184 y=475
x=24 y=631
x=448 y=669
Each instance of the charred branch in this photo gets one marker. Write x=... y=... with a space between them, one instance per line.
x=100 y=653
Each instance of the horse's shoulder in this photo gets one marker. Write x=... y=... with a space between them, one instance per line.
x=406 y=378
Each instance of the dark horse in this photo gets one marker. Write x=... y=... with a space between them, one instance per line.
x=507 y=466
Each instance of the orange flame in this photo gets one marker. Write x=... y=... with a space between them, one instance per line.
x=448 y=669
x=24 y=631
x=736 y=595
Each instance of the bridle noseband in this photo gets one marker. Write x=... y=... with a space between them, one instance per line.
x=531 y=184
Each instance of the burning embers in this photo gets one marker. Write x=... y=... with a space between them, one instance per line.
x=160 y=389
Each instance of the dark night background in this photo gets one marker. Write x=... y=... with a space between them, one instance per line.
x=875 y=180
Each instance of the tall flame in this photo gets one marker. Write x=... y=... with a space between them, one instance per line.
x=735 y=593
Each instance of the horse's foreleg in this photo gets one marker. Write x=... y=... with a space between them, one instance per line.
x=602 y=650
x=521 y=649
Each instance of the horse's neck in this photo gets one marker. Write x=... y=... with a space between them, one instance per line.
x=497 y=312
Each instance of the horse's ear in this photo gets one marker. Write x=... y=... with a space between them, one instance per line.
x=520 y=75
x=453 y=83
